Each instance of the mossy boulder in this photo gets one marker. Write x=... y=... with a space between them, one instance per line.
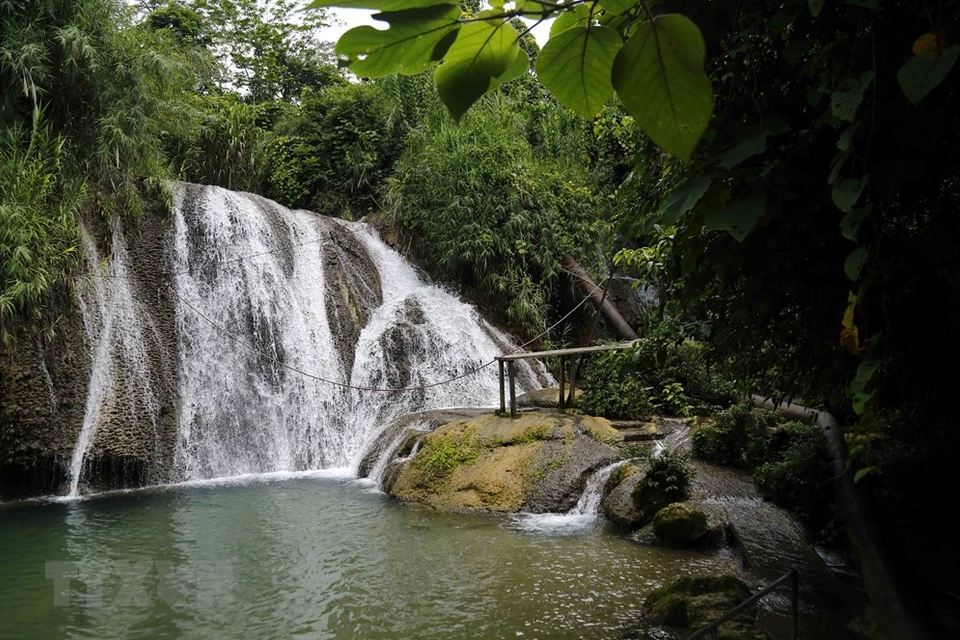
x=695 y=601
x=680 y=523
x=538 y=462
x=666 y=481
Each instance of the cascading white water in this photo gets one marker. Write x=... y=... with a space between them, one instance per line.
x=243 y=413
x=240 y=412
x=440 y=337
x=115 y=333
x=589 y=502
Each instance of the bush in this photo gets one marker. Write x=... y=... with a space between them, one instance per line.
x=790 y=462
x=612 y=394
x=667 y=481
x=666 y=372
x=741 y=437
x=798 y=477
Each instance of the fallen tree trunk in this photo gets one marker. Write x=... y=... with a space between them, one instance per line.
x=603 y=306
x=887 y=594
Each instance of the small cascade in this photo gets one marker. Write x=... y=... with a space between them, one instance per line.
x=115 y=333
x=589 y=502
x=387 y=455
x=419 y=336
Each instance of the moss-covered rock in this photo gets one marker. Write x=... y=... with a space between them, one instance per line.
x=680 y=523
x=667 y=481
x=695 y=601
x=538 y=462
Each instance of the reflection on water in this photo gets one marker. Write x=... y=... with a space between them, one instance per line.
x=317 y=557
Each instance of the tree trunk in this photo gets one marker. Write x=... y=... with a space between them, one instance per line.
x=607 y=310
x=887 y=594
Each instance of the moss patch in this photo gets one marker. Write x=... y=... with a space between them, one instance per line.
x=492 y=463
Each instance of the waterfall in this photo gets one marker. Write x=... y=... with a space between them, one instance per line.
x=115 y=335
x=589 y=502
x=243 y=412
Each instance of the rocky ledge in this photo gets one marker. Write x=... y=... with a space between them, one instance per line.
x=472 y=460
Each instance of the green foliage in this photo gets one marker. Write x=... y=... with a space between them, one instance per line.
x=482 y=208
x=575 y=67
x=610 y=393
x=798 y=475
x=738 y=437
x=87 y=98
x=667 y=481
x=439 y=457
x=659 y=75
x=664 y=372
x=267 y=49
x=654 y=61
x=38 y=221
x=333 y=151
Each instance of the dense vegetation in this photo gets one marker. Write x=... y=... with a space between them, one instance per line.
x=796 y=213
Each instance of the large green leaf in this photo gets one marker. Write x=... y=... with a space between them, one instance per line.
x=739 y=217
x=575 y=66
x=660 y=77
x=416 y=39
x=853 y=265
x=618 y=6
x=483 y=52
x=847 y=98
x=921 y=74
x=683 y=199
x=746 y=147
x=577 y=17
x=847 y=192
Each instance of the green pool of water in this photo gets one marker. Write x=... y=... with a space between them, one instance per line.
x=316 y=556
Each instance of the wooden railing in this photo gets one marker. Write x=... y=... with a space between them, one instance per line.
x=563 y=354
x=792 y=576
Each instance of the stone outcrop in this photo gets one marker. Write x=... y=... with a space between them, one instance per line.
x=618 y=506
x=476 y=461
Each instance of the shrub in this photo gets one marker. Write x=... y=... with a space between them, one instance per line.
x=741 y=437
x=798 y=477
x=611 y=393
x=667 y=481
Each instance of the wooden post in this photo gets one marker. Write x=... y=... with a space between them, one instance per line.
x=513 y=390
x=503 y=402
x=563 y=372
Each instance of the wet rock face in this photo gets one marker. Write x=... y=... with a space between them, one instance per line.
x=353 y=289
x=539 y=462
x=43 y=383
x=618 y=505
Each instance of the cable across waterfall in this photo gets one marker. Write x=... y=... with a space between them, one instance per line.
x=267 y=304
